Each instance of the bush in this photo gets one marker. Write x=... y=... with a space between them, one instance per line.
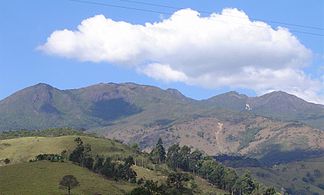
x=49 y=157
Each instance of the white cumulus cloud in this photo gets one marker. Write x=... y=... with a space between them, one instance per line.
x=212 y=51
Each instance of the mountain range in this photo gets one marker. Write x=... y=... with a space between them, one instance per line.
x=230 y=123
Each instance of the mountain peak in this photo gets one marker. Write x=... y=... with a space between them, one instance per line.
x=42 y=85
x=174 y=91
x=277 y=93
x=230 y=94
x=282 y=97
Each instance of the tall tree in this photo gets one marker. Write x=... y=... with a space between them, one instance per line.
x=76 y=155
x=195 y=161
x=184 y=158
x=68 y=182
x=98 y=164
x=158 y=152
x=245 y=184
x=81 y=154
x=173 y=156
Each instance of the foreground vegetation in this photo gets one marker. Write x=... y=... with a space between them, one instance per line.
x=43 y=177
x=124 y=169
x=302 y=177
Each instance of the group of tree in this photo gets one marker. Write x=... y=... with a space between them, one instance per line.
x=81 y=154
x=48 y=157
x=175 y=185
x=118 y=170
x=182 y=158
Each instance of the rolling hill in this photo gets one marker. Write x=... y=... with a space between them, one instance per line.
x=26 y=148
x=42 y=177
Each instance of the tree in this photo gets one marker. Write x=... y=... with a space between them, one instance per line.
x=217 y=176
x=88 y=162
x=64 y=154
x=140 y=191
x=184 y=157
x=81 y=154
x=68 y=182
x=98 y=164
x=135 y=147
x=158 y=153
x=173 y=156
x=230 y=178
x=86 y=159
x=245 y=184
x=108 y=168
x=7 y=161
x=124 y=171
x=177 y=180
x=77 y=154
x=149 y=187
x=195 y=161
x=270 y=191
x=129 y=161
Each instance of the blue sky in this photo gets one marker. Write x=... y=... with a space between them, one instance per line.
x=25 y=25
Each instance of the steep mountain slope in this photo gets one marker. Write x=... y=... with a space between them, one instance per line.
x=246 y=135
x=278 y=105
x=42 y=106
x=230 y=123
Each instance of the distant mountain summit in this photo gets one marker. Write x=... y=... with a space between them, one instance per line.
x=278 y=105
x=229 y=123
x=43 y=106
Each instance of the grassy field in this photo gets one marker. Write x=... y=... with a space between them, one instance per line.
x=303 y=177
x=43 y=178
x=23 y=149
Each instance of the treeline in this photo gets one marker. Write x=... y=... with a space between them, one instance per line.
x=48 y=157
x=176 y=184
x=182 y=158
x=53 y=132
x=118 y=170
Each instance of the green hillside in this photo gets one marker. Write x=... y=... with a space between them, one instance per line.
x=197 y=173
x=43 y=178
x=203 y=187
x=26 y=148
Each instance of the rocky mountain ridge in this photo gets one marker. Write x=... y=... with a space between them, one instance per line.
x=229 y=123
